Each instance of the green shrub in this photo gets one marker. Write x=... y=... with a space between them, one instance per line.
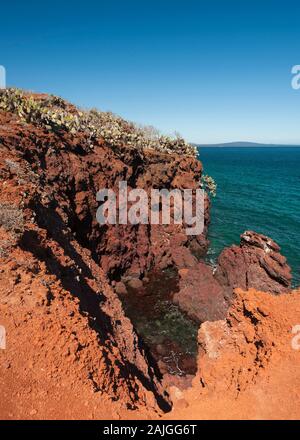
x=56 y=114
x=209 y=185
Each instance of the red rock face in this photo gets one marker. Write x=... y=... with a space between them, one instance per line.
x=65 y=323
x=130 y=251
x=200 y=295
x=53 y=179
x=235 y=353
x=58 y=262
x=247 y=363
x=256 y=263
x=72 y=174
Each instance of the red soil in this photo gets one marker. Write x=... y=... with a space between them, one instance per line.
x=71 y=351
x=247 y=366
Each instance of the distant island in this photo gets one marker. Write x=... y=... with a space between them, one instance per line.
x=243 y=144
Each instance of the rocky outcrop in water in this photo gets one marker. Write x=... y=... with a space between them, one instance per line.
x=65 y=324
x=205 y=293
x=256 y=263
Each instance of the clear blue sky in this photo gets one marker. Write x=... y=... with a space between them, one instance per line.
x=214 y=70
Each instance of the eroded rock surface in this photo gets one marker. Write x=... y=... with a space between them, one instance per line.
x=200 y=295
x=66 y=326
x=205 y=293
x=71 y=351
x=247 y=363
x=256 y=263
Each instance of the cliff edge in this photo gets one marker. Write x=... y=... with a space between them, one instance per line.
x=71 y=352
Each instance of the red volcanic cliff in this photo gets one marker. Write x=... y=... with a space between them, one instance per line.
x=257 y=263
x=71 y=351
x=65 y=324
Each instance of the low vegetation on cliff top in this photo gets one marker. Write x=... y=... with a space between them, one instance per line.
x=54 y=113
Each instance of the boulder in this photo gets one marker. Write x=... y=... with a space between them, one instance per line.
x=200 y=294
x=255 y=263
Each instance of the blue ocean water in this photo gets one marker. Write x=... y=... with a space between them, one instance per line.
x=258 y=189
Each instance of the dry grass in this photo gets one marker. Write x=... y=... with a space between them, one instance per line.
x=11 y=219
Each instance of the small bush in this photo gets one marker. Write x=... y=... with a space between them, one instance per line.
x=209 y=185
x=11 y=219
x=56 y=114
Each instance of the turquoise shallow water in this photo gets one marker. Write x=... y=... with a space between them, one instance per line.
x=258 y=189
